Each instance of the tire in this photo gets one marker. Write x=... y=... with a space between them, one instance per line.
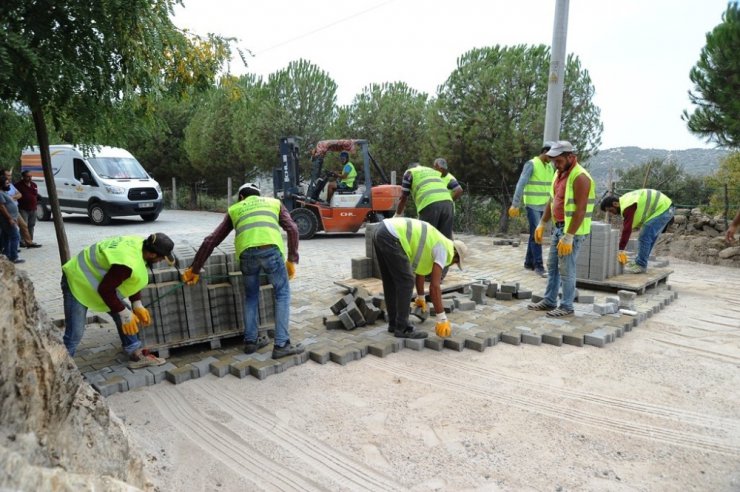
x=306 y=221
x=43 y=213
x=98 y=215
x=149 y=217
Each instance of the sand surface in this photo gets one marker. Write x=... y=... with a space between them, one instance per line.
x=659 y=409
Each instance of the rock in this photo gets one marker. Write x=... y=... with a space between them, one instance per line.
x=730 y=252
x=65 y=436
x=680 y=219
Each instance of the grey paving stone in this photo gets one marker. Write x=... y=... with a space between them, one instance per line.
x=414 y=344
x=531 y=339
x=552 y=338
x=179 y=374
x=342 y=356
x=454 y=343
x=159 y=371
x=434 y=342
x=511 y=337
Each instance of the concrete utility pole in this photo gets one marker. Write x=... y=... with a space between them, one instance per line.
x=554 y=109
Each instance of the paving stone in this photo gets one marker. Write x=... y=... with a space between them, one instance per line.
x=414 y=344
x=531 y=338
x=511 y=337
x=180 y=374
x=454 y=343
x=504 y=296
x=138 y=378
x=381 y=348
x=203 y=365
x=344 y=355
x=575 y=339
x=434 y=342
x=114 y=384
x=262 y=368
x=491 y=338
x=475 y=343
x=552 y=338
x=597 y=338
x=220 y=368
x=159 y=371
x=523 y=294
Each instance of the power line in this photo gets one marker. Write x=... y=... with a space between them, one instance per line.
x=327 y=26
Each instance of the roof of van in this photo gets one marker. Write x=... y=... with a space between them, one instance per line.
x=100 y=151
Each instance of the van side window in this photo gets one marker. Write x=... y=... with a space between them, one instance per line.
x=82 y=173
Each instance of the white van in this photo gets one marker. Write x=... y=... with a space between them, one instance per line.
x=107 y=182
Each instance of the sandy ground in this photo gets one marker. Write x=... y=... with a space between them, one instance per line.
x=659 y=409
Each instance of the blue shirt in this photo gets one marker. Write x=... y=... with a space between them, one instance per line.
x=10 y=205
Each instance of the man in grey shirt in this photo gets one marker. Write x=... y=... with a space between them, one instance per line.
x=8 y=222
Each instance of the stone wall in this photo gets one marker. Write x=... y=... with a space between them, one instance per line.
x=56 y=433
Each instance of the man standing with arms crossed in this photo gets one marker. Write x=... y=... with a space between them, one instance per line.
x=571 y=205
x=534 y=185
x=256 y=221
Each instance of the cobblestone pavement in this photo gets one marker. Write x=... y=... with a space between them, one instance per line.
x=324 y=260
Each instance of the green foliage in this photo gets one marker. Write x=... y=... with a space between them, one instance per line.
x=17 y=133
x=391 y=117
x=488 y=119
x=727 y=177
x=716 y=77
x=667 y=176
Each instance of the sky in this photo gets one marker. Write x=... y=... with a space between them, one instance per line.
x=637 y=52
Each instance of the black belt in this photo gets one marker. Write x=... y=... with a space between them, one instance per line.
x=264 y=246
x=560 y=225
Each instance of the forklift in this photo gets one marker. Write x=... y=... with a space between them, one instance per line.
x=348 y=210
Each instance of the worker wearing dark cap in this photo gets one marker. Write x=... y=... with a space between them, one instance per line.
x=96 y=277
x=345 y=179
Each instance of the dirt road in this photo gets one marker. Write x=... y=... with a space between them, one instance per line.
x=657 y=410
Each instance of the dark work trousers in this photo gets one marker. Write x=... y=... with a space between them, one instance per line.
x=441 y=215
x=398 y=279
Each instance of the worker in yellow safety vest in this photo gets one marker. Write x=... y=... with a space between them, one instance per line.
x=257 y=221
x=100 y=276
x=431 y=196
x=408 y=250
x=346 y=178
x=571 y=205
x=534 y=188
x=648 y=210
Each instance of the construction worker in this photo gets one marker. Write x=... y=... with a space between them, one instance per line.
x=456 y=191
x=431 y=196
x=345 y=180
x=407 y=251
x=534 y=185
x=256 y=221
x=96 y=277
x=571 y=205
x=645 y=209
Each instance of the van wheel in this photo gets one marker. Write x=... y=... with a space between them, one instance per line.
x=306 y=221
x=42 y=211
x=149 y=217
x=98 y=215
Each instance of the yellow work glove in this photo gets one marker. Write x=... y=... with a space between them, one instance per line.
x=442 y=328
x=290 y=267
x=622 y=257
x=513 y=212
x=538 y=232
x=422 y=303
x=129 y=322
x=189 y=277
x=142 y=313
x=565 y=245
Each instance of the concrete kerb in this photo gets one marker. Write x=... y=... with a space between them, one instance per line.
x=313 y=292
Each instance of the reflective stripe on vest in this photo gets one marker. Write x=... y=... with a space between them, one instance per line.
x=350 y=179
x=85 y=271
x=537 y=189
x=417 y=239
x=570 y=203
x=256 y=222
x=650 y=204
x=427 y=187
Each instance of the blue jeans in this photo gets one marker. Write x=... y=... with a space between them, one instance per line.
x=533 y=259
x=562 y=268
x=11 y=241
x=649 y=233
x=75 y=317
x=270 y=261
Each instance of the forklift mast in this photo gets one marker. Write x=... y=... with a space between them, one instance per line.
x=286 y=176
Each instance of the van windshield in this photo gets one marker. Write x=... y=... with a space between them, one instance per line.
x=118 y=168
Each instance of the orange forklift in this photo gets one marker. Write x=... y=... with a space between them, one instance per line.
x=349 y=209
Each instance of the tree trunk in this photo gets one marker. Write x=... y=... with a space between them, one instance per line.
x=193 y=196
x=42 y=135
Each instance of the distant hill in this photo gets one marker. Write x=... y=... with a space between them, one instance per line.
x=698 y=162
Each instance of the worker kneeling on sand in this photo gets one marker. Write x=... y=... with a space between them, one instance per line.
x=407 y=250
x=259 y=247
x=98 y=274
x=648 y=210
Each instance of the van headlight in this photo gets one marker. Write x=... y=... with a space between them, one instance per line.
x=115 y=190
x=159 y=189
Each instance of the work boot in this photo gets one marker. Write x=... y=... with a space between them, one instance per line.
x=142 y=358
x=540 y=271
x=287 y=349
x=252 y=347
x=409 y=332
x=634 y=268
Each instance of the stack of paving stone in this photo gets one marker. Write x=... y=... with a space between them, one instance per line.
x=354 y=310
x=208 y=311
x=597 y=258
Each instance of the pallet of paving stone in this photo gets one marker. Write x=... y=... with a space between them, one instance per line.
x=634 y=282
x=214 y=342
x=453 y=282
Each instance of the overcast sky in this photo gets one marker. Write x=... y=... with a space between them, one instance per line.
x=638 y=52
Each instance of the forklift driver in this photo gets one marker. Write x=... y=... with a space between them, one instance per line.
x=345 y=178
